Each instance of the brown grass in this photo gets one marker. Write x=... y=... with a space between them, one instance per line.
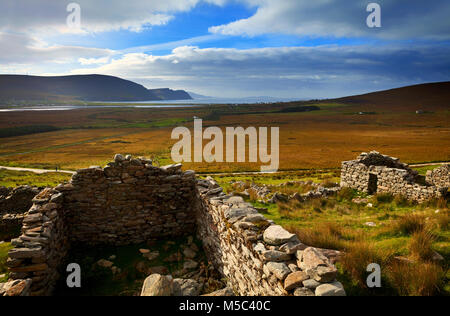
x=323 y=235
x=359 y=255
x=420 y=245
x=409 y=224
x=415 y=279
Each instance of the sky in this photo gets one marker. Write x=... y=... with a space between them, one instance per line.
x=232 y=48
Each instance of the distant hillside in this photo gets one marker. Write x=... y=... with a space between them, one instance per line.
x=427 y=96
x=82 y=88
x=168 y=94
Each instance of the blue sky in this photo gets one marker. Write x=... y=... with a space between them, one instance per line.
x=233 y=48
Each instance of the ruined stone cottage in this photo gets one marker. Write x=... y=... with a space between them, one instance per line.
x=376 y=173
x=131 y=201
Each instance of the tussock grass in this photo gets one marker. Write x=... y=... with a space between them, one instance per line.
x=420 y=245
x=409 y=224
x=415 y=279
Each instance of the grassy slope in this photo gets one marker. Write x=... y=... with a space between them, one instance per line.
x=9 y=178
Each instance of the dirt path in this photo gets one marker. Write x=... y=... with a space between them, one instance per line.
x=39 y=171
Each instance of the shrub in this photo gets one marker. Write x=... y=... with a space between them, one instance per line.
x=323 y=235
x=346 y=194
x=409 y=224
x=415 y=279
x=401 y=201
x=420 y=245
x=359 y=255
x=381 y=198
x=442 y=220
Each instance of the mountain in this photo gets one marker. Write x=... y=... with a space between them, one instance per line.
x=198 y=96
x=168 y=94
x=428 y=96
x=79 y=88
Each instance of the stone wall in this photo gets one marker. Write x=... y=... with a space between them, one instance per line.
x=43 y=245
x=258 y=257
x=439 y=177
x=13 y=204
x=128 y=202
x=375 y=173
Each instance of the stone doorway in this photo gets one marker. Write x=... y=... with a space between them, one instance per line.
x=373 y=184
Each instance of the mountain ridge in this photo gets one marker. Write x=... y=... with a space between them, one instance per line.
x=24 y=88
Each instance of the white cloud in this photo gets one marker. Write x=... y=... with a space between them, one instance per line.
x=343 y=18
x=324 y=71
x=49 y=16
x=24 y=49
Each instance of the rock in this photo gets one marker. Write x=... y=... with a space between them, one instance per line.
x=189 y=253
x=119 y=158
x=313 y=258
x=260 y=248
x=186 y=287
x=16 y=288
x=224 y=292
x=324 y=274
x=190 y=264
x=159 y=270
x=157 y=285
x=277 y=235
x=280 y=270
x=292 y=247
x=302 y=291
x=437 y=257
x=333 y=289
x=370 y=224
x=141 y=267
x=311 y=284
x=238 y=212
x=151 y=255
x=293 y=267
x=105 y=263
x=275 y=256
x=295 y=280
x=115 y=270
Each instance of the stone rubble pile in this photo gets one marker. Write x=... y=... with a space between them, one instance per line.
x=257 y=256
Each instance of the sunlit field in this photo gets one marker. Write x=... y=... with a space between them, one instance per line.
x=318 y=139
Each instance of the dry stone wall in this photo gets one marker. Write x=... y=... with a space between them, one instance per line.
x=258 y=257
x=439 y=177
x=131 y=201
x=43 y=245
x=375 y=173
x=13 y=204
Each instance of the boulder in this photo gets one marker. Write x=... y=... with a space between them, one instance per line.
x=277 y=235
x=302 y=291
x=223 y=292
x=333 y=289
x=157 y=285
x=275 y=256
x=186 y=287
x=280 y=270
x=313 y=258
x=295 y=280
